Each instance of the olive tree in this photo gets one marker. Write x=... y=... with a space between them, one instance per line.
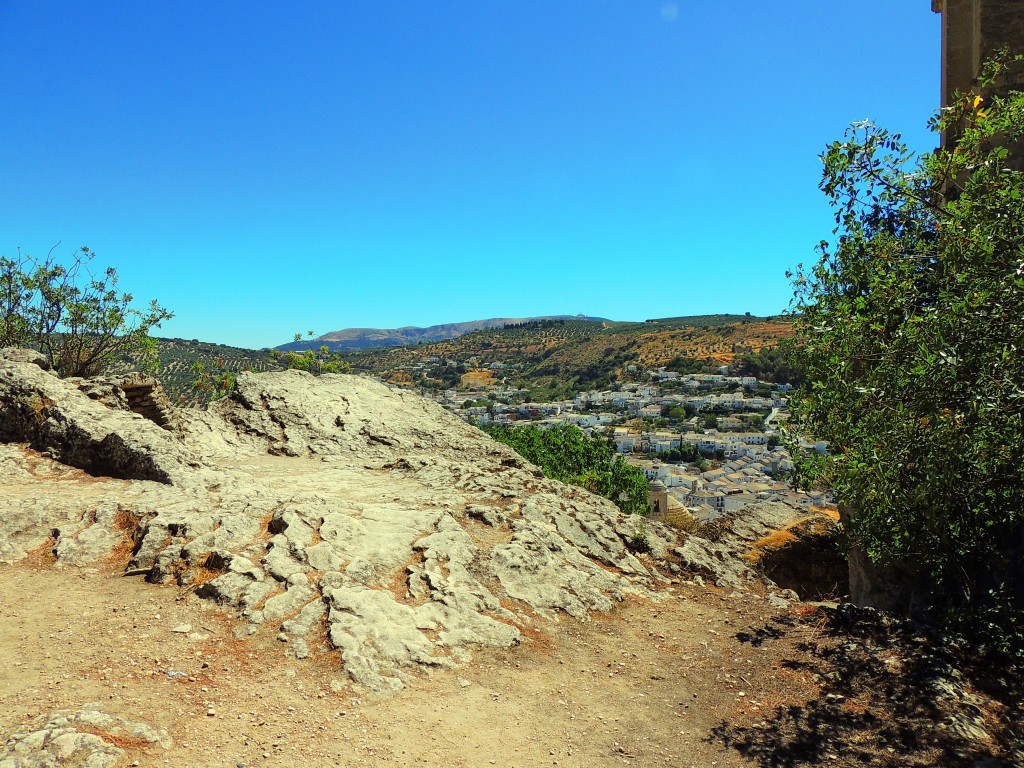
x=81 y=320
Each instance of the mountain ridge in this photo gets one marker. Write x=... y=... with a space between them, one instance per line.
x=348 y=339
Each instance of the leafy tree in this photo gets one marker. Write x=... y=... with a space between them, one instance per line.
x=678 y=412
x=777 y=364
x=317 y=361
x=564 y=453
x=687 y=452
x=82 y=321
x=912 y=326
x=684 y=365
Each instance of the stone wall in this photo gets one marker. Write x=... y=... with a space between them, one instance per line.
x=146 y=397
x=972 y=31
x=1002 y=26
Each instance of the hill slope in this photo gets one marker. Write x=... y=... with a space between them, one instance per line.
x=319 y=538
x=176 y=359
x=366 y=338
x=556 y=358
x=347 y=517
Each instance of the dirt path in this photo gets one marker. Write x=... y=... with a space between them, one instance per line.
x=642 y=686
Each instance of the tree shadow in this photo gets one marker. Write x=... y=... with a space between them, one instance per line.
x=892 y=693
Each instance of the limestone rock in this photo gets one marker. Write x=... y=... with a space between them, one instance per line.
x=31 y=356
x=87 y=737
x=330 y=507
x=805 y=559
x=713 y=560
x=779 y=542
x=55 y=416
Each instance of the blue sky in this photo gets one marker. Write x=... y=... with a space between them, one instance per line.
x=265 y=168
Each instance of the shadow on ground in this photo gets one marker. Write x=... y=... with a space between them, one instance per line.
x=891 y=693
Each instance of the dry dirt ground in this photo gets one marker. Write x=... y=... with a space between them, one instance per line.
x=700 y=678
x=643 y=686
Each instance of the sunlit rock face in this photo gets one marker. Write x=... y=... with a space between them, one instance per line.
x=340 y=515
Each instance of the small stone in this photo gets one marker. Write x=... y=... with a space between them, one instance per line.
x=211 y=712
x=182 y=629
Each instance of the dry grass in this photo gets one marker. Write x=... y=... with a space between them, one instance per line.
x=40 y=406
x=681 y=520
x=265 y=533
x=789 y=533
x=831 y=512
x=121 y=740
x=131 y=526
x=191 y=576
x=769 y=543
x=42 y=555
x=398 y=585
x=202 y=574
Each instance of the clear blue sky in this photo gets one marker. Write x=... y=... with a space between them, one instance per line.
x=264 y=168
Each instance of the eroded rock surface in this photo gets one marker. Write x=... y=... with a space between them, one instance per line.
x=85 y=738
x=76 y=424
x=342 y=516
x=780 y=543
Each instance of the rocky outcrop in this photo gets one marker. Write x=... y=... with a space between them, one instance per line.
x=786 y=545
x=804 y=557
x=85 y=737
x=895 y=588
x=340 y=515
x=86 y=427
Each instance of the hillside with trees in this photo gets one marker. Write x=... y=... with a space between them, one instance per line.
x=554 y=359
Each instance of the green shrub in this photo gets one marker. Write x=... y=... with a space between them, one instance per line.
x=564 y=453
x=911 y=329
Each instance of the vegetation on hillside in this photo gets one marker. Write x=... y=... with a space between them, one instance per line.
x=316 y=361
x=564 y=453
x=555 y=360
x=777 y=364
x=194 y=372
x=912 y=329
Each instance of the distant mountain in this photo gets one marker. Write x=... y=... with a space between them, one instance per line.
x=349 y=339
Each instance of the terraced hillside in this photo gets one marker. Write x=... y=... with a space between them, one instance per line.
x=555 y=359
